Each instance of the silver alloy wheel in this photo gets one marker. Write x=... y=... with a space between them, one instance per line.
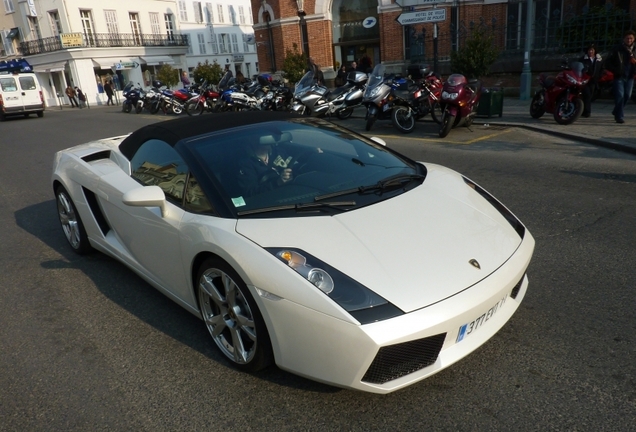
x=227 y=316
x=69 y=220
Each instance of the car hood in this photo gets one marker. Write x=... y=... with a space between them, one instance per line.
x=414 y=249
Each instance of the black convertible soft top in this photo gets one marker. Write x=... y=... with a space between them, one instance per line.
x=173 y=131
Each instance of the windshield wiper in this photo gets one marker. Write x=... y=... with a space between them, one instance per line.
x=399 y=180
x=336 y=205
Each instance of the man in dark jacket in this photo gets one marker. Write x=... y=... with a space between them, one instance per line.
x=592 y=64
x=263 y=169
x=622 y=63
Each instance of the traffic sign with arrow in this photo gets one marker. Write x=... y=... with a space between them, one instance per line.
x=430 y=15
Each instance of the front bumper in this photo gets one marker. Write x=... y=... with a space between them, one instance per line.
x=335 y=352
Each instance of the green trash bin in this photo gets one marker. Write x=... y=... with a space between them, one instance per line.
x=491 y=102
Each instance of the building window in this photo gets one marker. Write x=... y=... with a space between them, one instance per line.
x=35 y=28
x=7 y=43
x=111 y=22
x=235 y=47
x=169 y=22
x=198 y=11
x=232 y=14
x=88 y=26
x=8 y=6
x=215 y=49
x=224 y=43
x=241 y=15
x=219 y=13
x=56 y=25
x=135 y=27
x=154 y=23
x=246 y=47
x=209 y=16
x=183 y=12
x=201 y=39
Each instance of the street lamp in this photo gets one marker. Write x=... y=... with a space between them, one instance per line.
x=526 y=73
x=303 y=26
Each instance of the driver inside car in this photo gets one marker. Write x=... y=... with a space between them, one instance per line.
x=264 y=167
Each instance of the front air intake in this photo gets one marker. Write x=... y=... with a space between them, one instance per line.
x=395 y=361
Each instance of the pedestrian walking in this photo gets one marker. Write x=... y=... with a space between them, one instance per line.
x=81 y=96
x=592 y=64
x=315 y=68
x=185 y=80
x=70 y=93
x=622 y=63
x=108 y=88
x=341 y=77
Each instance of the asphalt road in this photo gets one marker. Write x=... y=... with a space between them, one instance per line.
x=87 y=345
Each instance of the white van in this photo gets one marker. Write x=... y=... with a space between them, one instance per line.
x=20 y=94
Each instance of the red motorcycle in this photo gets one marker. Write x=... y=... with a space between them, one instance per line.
x=206 y=100
x=460 y=100
x=561 y=95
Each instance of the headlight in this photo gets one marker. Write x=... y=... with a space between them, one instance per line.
x=269 y=95
x=449 y=96
x=362 y=303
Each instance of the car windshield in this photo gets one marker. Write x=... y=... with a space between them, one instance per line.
x=332 y=170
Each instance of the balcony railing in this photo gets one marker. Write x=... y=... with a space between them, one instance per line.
x=103 y=40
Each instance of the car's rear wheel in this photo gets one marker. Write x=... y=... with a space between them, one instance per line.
x=232 y=316
x=71 y=223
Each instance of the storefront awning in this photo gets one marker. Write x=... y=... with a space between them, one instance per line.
x=51 y=67
x=115 y=63
x=157 y=60
x=14 y=33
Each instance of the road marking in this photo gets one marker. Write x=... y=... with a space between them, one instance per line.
x=445 y=141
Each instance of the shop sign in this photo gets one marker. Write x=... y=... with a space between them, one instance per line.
x=70 y=40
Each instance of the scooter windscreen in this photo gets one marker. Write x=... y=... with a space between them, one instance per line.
x=304 y=84
x=577 y=67
x=376 y=78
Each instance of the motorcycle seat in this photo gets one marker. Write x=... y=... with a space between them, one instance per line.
x=334 y=94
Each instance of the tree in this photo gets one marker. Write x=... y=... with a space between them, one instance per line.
x=168 y=75
x=211 y=73
x=294 y=65
x=474 y=59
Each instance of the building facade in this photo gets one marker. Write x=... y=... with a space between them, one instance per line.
x=396 y=33
x=84 y=43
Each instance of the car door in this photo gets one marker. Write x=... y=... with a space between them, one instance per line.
x=151 y=239
x=11 y=98
x=31 y=97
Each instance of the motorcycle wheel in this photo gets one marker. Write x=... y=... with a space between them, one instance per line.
x=345 y=113
x=177 y=109
x=436 y=112
x=537 y=106
x=194 y=108
x=566 y=113
x=370 y=120
x=126 y=108
x=154 y=108
x=403 y=119
x=446 y=125
x=138 y=109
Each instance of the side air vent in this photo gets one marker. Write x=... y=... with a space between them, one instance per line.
x=515 y=291
x=91 y=200
x=395 y=361
x=97 y=156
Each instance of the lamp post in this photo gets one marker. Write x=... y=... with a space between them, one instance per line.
x=303 y=27
x=526 y=73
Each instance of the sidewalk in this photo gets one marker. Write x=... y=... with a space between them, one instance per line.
x=599 y=129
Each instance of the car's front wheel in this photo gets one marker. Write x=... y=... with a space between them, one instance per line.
x=232 y=316
x=71 y=223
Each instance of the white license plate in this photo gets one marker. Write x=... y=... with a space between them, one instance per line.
x=471 y=327
x=386 y=107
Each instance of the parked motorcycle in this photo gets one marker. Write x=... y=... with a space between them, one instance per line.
x=315 y=99
x=278 y=98
x=417 y=101
x=561 y=95
x=132 y=95
x=206 y=100
x=460 y=100
x=378 y=96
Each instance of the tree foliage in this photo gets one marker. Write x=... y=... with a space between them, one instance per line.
x=210 y=72
x=475 y=57
x=168 y=75
x=294 y=65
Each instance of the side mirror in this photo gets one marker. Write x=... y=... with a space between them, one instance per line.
x=146 y=196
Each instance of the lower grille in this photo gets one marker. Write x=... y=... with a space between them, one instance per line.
x=395 y=361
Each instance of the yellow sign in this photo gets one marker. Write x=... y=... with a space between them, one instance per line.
x=72 y=40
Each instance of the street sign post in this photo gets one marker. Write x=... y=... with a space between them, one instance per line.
x=425 y=16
